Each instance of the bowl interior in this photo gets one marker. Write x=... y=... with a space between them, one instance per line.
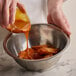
x=40 y=34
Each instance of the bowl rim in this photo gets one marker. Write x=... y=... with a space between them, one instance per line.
x=15 y=57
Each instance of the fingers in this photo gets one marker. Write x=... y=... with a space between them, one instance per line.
x=60 y=20
x=12 y=12
x=6 y=13
x=66 y=21
x=21 y=7
x=1 y=6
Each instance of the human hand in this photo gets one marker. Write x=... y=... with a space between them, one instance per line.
x=8 y=11
x=56 y=15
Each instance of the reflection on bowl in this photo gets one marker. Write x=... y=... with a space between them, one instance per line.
x=40 y=34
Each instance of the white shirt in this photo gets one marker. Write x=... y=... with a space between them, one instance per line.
x=36 y=9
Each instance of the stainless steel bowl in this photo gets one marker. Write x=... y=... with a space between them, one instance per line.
x=40 y=34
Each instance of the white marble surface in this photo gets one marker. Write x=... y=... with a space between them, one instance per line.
x=65 y=67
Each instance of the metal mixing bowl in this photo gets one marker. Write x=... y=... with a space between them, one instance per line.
x=40 y=34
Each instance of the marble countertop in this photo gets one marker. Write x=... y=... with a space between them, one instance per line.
x=65 y=67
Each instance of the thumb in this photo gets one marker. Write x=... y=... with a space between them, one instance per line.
x=21 y=7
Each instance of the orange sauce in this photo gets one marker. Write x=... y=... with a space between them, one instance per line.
x=22 y=25
x=38 y=52
x=22 y=22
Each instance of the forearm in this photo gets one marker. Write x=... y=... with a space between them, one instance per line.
x=54 y=4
